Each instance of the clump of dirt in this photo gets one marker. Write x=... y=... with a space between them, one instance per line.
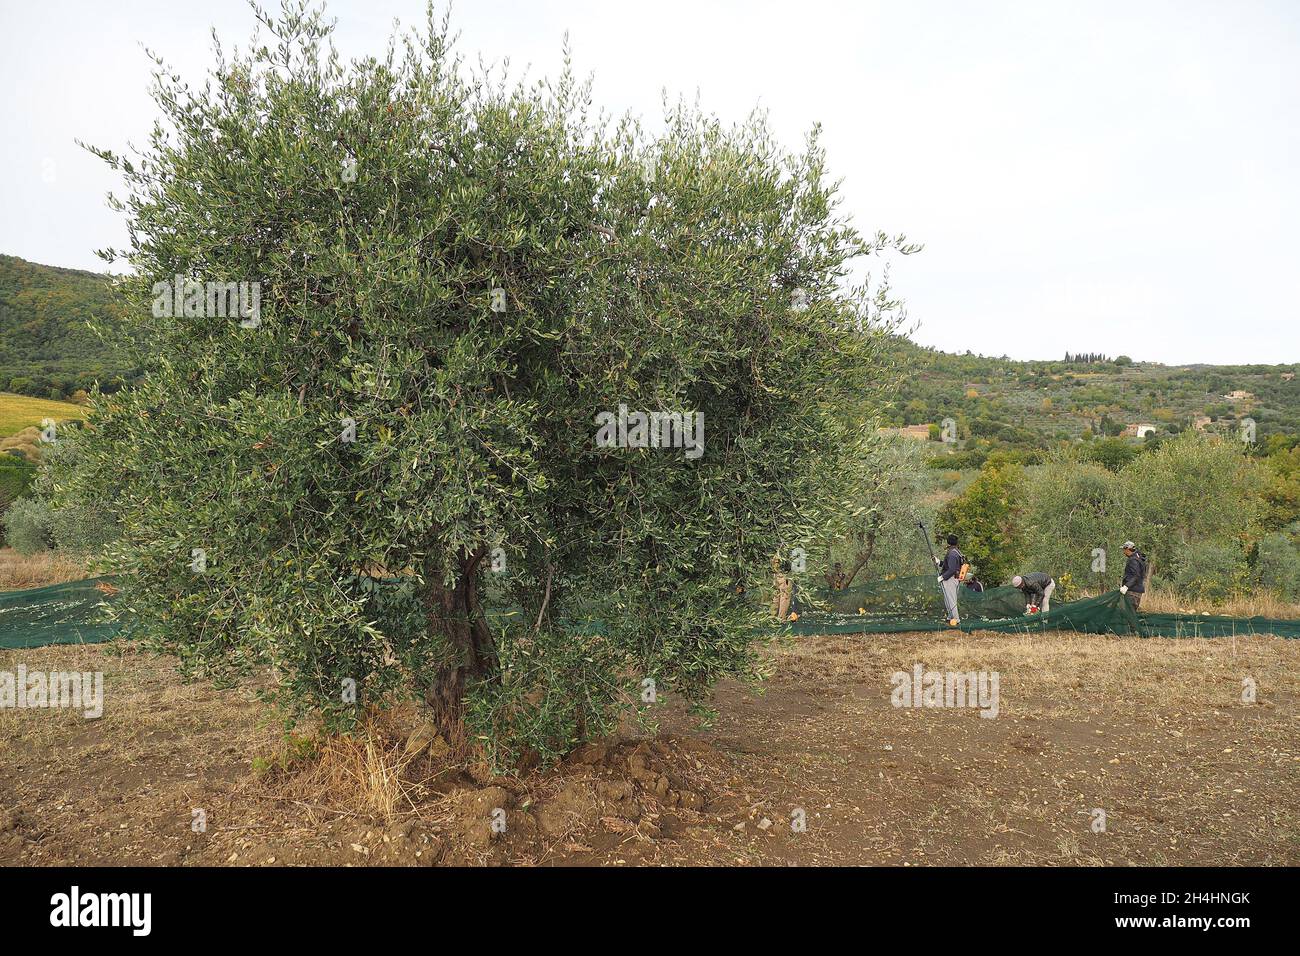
x=15 y=831
x=396 y=792
x=603 y=794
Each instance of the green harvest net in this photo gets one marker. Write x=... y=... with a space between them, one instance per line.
x=73 y=613
x=916 y=604
x=69 y=613
x=919 y=597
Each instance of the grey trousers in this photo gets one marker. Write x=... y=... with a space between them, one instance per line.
x=950 y=597
x=1047 y=596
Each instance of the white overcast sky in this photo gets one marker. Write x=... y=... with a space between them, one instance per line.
x=1086 y=176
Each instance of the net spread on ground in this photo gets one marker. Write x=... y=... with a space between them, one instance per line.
x=75 y=613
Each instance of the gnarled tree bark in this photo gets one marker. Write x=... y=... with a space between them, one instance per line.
x=454 y=613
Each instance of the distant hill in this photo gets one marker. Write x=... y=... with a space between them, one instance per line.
x=47 y=349
x=997 y=402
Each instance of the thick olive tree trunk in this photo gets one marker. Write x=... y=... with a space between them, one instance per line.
x=455 y=616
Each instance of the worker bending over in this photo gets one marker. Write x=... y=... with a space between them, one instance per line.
x=1037 y=588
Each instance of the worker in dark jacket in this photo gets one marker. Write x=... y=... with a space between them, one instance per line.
x=952 y=566
x=1134 y=584
x=1037 y=588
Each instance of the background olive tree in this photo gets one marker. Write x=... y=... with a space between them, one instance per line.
x=1194 y=491
x=1193 y=506
x=885 y=495
x=82 y=524
x=465 y=272
x=1070 y=515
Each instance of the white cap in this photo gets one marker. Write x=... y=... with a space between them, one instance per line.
x=1130 y=546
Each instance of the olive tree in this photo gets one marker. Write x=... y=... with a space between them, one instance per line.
x=885 y=498
x=1070 y=523
x=82 y=525
x=401 y=321
x=1194 y=490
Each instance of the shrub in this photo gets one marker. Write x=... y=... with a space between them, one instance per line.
x=986 y=518
x=27 y=526
x=1211 y=571
x=1277 y=566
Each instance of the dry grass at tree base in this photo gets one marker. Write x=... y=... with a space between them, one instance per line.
x=1154 y=732
x=21 y=571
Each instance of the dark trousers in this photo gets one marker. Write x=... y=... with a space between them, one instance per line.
x=1134 y=599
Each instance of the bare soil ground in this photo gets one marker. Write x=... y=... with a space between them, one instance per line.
x=1154 y=733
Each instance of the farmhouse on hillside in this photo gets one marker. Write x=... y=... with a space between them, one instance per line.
x=1140 y=429
x=918 y=432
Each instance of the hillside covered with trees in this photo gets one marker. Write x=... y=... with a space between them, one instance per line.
x=1030 y=408
x=48 y=348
